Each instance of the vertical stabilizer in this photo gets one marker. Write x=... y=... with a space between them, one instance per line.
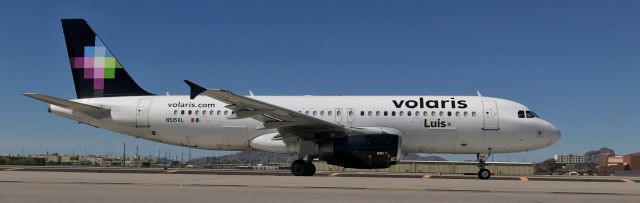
x=96 y=72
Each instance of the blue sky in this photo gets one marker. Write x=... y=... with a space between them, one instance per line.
x=576 y=63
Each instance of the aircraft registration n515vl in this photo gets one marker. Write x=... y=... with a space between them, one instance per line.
x=364 y=132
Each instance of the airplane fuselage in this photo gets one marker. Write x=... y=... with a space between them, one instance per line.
x=428 y=124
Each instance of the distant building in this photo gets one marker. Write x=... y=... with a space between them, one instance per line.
x=569 y=159
x=92 y=160
x=622 y=163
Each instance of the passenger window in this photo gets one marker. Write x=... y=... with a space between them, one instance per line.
x=377 y=113
x=226 y=112
x=393 y=113
x=350 y=113
x=361 y=113
x=370 y=113
x=219 y=112
x=306 y=112
x=182 y=112
x=473 y=114
x=211 y=112
x=190 y=112
x=401 y=113
x=457 y=114
x=520 y=114
x=329 y=113
x=197 y=112
x=425 y=114
x=385 y=113
x=321 y=113
x=417 y=113
x=529 y=114
x=175 y=112
x=408 y=113
x=433 y=114
x=466 y=114
x=338 y=113
x=441 y=113
x=449 y=113
x=315 y=113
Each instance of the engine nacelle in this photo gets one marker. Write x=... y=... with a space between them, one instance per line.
x=368 y=151
x=269 y=143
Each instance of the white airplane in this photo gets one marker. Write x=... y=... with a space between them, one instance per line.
x=364 y=132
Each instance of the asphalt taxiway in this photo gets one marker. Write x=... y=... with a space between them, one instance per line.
x=46 y=186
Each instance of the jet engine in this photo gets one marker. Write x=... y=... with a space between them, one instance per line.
x=368 y=151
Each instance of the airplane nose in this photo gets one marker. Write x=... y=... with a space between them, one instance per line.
x=553 y=132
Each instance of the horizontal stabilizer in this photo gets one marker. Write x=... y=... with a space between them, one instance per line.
x=94 y=111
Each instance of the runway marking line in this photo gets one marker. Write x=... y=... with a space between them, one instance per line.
x=13 y=169
x=426 y=177
x=172 y=171
x=628 y=181
x=334 y=174
x=524 y=178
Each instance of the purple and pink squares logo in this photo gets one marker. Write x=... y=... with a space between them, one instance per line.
x=97 y=64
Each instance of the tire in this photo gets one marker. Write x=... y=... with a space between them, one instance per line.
x=299 y=168
x=484 y=174
x=310 y=169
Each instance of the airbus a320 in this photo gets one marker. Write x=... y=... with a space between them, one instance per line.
x=364 y=132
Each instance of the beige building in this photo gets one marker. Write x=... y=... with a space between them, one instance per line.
x=49 y=158
x=444 y=167
x=569 y=159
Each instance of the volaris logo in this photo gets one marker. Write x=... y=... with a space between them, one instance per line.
x=430 y=103
x=97 y=63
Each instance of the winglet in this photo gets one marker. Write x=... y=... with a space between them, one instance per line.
x=195 y=89
x=478 y=92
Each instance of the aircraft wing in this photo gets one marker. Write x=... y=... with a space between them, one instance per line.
x=287 y=121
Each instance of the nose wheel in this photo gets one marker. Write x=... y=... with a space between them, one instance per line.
x=483 y=173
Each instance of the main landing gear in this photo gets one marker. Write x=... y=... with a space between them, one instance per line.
x=303 y=168
x=483 y=173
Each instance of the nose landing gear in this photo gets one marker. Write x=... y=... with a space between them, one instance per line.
x=483 y=173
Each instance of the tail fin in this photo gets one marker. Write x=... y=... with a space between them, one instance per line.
x=96 y=72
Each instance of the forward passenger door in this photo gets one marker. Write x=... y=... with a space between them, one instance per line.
x=490 y=115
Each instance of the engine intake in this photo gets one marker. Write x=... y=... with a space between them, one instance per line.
x=361 y=151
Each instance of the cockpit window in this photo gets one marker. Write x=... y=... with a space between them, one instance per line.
x=535 y=115
x=530 y=114
x=527 y=114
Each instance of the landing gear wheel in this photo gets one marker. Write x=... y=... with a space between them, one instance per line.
x=298 y=168
x=302 y=168
x=484 y=174
x=310 y=169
